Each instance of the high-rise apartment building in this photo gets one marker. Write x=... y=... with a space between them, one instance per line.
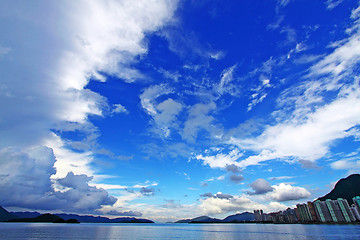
x=304 y=211
x=356 y=201
x=313 y=214
x=346 y=211
x=322 y=211
x=355 y=211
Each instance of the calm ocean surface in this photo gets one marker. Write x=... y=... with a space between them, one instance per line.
x=176 y=231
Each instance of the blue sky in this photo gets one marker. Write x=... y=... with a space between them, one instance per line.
x=176 y=109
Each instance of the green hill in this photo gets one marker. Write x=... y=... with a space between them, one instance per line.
x=5 y=215
x=42 y=218
x=345 y=188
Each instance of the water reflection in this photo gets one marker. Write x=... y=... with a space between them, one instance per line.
x=178 y=231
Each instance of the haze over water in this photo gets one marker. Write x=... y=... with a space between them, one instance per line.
x=12 y=231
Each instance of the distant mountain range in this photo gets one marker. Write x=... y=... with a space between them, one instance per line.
x=38 y=217
x=47 y=217
x=92 y=219
x=346 y=188
x=240 y=217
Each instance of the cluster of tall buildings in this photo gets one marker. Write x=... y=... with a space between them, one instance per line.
x=328 y=211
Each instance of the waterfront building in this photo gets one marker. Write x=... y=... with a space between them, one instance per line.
x=297 y=213
x=355 y=211
x=322 y=211
x=304 y=212
x=346 y=211
x=290 y=216
x=356 y=201
x=313 y=214
x=257 y=215
x=331 y=206
x=260 y=216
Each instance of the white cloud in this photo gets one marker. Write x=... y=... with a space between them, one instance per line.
x=215 y=205
x=163 y=113
x=352 y=165
x=236 y=178
x=220 y=160
x=305 y=125
x=308 y=139
x=280 y=178
x=68 y=160
x=224 y=86
x=285 y=192
x=199 y=119
x=259 y=92
x=261 y=186
x=66 y=45
x=150 y=94
x=4 y=51
x=276 y=206
x=345 y=57
x=283 y=2
x=330 y=4
x=100 y=37
x=118 y=108
x=168 y=110
x=25 y=181
x=217 y=55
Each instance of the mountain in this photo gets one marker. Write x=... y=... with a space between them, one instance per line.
x=47 y=217
x=26 y=214
x=83 y=218
x=5 y=215
x=202 y=219
x=93 y=219
x=245 y=216
x=345 y=188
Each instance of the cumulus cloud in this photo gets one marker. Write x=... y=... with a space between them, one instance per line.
x=209 y=194
x=95 y=40
x=224 y=196
x=215 y=205
x=82 y=196
x=285 y=192
x=118 y=108
x=147 y=191
x=25 y=182
x=236 y=178
x=232 y=168
x=261 y=186
x=218 y=195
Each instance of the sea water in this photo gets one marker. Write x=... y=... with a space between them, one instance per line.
x=177 y=231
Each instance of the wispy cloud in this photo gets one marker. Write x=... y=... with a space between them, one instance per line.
x=330 y=4
x=163 y=113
